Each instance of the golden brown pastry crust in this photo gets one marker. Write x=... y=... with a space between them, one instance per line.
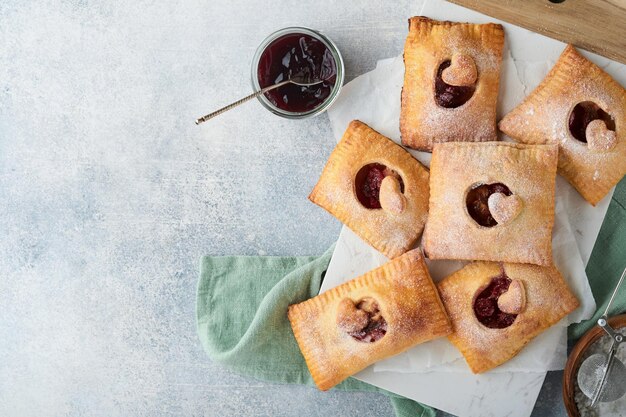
x=543 y=118
x=408 y=301
x=548 y=300
x=429 y=43
x=528 y=171
x=389 y=232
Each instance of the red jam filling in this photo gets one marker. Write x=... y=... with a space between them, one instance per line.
x=367 y=183
x=301 y=55
x=584 y=113
x=376 y=327
x=477 y=202
x=486 y=304
x=451 y=96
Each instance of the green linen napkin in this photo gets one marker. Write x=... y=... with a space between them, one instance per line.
x=242 y=319
x=608 y=260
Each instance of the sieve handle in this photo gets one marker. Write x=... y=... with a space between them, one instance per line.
x=619 y=283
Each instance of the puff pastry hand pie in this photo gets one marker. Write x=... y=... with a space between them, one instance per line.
x=376 y=188
x=496 y=309
x=582 y=109
x=450 y=82
x=492 y=202
x=374 y=316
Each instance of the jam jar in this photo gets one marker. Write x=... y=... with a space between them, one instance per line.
x=301 y=52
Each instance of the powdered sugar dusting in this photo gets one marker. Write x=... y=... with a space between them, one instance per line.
x=543 y=118
x=528 y=171
x=422 y=121
x=408 y=301
x=390 y=233
x=485 y=348
x=601 y=409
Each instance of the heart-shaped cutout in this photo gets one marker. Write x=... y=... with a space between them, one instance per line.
x=513 y=301
x=504 y=208
x=599 y=137
x=362 y=320
x=391 y=198
x=461 y=72
x=349 y=318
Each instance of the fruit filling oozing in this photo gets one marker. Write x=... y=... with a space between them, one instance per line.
x=486 y=304
x=376 y=325
x=301 y=56
x=367 y=184
x=451 y=96
x=584 y=113
x=477 y=202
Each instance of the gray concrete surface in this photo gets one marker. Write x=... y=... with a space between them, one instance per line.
x=109 y=194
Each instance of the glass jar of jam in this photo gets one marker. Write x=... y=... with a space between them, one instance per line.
x=301 y=52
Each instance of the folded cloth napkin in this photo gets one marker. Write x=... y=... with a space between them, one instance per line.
x=242 y=319
x=242 y=307
x=607 y=262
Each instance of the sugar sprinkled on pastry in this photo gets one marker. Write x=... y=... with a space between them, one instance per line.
x=582 y=109
x=496 y=309
x=377 y=315
x=376 y=188
x=452 y=72
x=491 y=201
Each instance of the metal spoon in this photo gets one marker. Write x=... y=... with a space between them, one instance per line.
x=297 y=79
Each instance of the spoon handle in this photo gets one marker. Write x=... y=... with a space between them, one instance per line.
x=238 y=102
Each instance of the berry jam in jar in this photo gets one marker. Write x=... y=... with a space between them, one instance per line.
x=302 y=54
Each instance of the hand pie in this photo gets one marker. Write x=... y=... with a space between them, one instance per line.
x=450 y=82
x=491 y=202
x=583 y=110
x=374 y=316
x=496 y=309
x=376 y=188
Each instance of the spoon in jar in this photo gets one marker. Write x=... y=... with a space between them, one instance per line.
x=300 y=79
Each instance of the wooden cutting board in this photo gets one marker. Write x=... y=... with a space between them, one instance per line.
x=595 y=25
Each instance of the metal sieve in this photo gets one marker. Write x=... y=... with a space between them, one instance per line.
x=603 y=377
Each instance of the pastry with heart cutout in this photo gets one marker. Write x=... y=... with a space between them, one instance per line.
x=376 y=188
x=582 y=109
x=452 y=72
x=491 y=201
x=377 y=315
x=496 y=309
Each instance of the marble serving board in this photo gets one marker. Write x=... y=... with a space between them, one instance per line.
x=528 y=57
